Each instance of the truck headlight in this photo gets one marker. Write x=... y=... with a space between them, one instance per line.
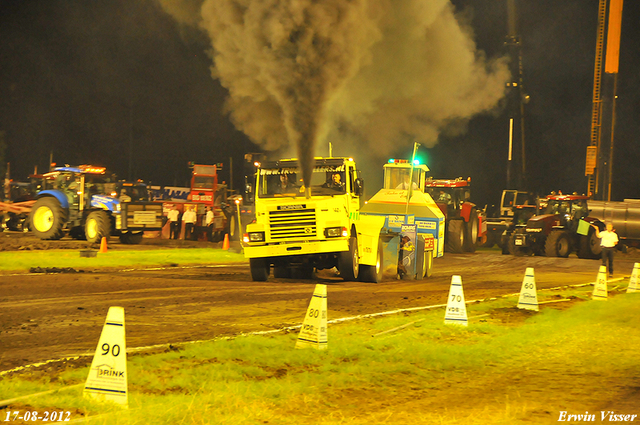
x=335 y=232
x=254 y=237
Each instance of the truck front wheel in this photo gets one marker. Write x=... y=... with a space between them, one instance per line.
x=97 y=226
x=48 y=218
x=259 y=269
x=348 y=261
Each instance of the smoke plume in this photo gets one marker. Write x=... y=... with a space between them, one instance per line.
x=371 y=74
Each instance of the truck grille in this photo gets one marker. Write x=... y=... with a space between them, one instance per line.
x=298 y=224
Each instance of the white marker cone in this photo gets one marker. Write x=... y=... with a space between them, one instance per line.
x=528 y=293
x=633 y=280
x=107 y=380
x=314 y=327
x=456 y=308
x=600 y=288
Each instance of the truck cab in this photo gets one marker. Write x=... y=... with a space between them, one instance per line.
x=400 y=174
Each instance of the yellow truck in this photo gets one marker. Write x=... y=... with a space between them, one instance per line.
x=298 y=229
x=295 y=233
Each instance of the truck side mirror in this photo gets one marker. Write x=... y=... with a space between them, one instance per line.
x=358 y=187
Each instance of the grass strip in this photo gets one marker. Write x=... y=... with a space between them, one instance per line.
x=512 y=366
x=24 y=260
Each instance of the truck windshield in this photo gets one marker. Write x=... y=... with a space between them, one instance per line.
x=398 y=178
x=575 y=208
x=441 y=194
x=132 y=193
x=203 y=182
x=325 y=180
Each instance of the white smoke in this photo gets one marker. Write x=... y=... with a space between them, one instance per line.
x=371 y=74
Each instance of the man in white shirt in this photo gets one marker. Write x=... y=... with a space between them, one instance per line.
x=608 y=242
x=174 y=223
x=189 y=217
x=208 y=220
x=405 y=183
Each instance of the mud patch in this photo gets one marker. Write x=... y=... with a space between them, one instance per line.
x=54 y=270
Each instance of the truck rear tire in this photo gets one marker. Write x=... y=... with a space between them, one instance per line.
x=97 y=226
x=557 y=244
x=472 y=229
x=348 y=261
x=47 y=219
x=259 y=269
x=455 y=236
x=373 y=273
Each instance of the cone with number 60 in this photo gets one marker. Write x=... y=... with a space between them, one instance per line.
x=528 y=293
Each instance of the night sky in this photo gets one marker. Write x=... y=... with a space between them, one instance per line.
x=119 y=83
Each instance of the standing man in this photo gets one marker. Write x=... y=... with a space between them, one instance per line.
x=174 y=223
x=208 y=220
x=608 y=241
x=190 y=217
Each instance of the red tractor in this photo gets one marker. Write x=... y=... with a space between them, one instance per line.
x=553 y=233
x=464 y=224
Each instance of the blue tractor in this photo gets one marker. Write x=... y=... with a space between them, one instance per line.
x=89 y=204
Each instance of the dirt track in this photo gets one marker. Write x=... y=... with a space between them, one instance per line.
x=49 y=316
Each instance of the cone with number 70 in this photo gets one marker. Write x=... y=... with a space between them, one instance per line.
x=314 y=327
x=456 y=308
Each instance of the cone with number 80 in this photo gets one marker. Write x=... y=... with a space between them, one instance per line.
x=314 y=328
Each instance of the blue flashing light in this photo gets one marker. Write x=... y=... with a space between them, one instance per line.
x=416 y=162
x=391 y=161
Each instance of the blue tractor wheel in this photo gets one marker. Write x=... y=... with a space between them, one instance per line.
x=47 y=219
x=97 y=226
